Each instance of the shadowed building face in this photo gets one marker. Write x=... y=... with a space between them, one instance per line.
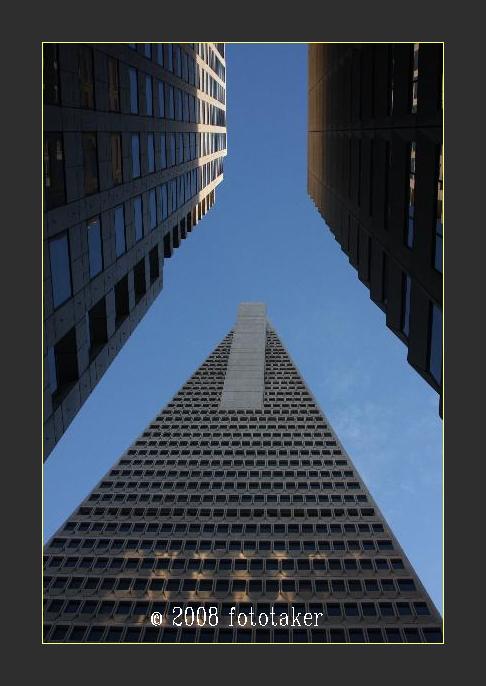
x=375 y=171
x=134 y=142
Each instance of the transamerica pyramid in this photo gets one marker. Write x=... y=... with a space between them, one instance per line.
x=237 y=516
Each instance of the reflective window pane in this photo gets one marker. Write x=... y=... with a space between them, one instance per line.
x=161 y=99
x=411 y=196
x=90 y=163
x=120 y=241
x=150 y=153
x=407 y=288
x=148 y=96
x=439 y=219
x=435 y=356
x=132 y=73
x=95 y=247
x=137 y=217
x=135 y=155
x=153 y=209
x=60 y=269
x=163 y=154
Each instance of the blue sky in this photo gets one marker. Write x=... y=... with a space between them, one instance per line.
x=264 y=240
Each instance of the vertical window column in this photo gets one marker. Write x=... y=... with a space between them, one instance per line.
x=410 y=228
x=86 y=78
x=135 y=155
x=54 y=182
x=120 y=238
x=148 y=96
x=133 y=80
x=438 y=219
x=90 y=163
x=116 y=159
x=113 y=86
x=415 y=74
x=60 y=269
x=138 y=217
x=150 y=153
x=435 y=343
x=95 y=251
x=406 y=295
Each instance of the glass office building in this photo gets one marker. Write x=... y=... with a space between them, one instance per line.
x=375 y=174
x=133 y=149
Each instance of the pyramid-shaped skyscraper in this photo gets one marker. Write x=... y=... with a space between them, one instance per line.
x=237 y=516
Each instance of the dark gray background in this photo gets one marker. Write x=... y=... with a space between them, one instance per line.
x=22 y=295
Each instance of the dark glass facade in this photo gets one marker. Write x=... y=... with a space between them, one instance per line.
x=375 y=175
x=134 y=142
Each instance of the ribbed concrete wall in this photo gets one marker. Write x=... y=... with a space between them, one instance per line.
x=245 y=375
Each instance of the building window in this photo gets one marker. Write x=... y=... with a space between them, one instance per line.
x=169 y=103
x=161 y=98
x=406 y=292
x=438 y=217
x=52 y=94
x=179 y=148
x=187 y=151
x=391 y=78
x=150 y=153
x=171 y=156
x=86 y=79
x=154 y=264
x=113 y=86
x=138 y=217
x=132 y=73
x=122 y=301
x=63 y=367
x=147 y=50
x=163 y=153
x=164 y=203
x=139 y=284
x=90 y=159
x=415 y=73
x=152 y=208
x=410 y=229
x=54 y=184
x=169 y=59
x=97 y=328
x=135 y=155
x=178 y=104
x=185 y=67
x=120 y=239
x=432 y=635
x=148 y=96
x=160 y=54
x=60 y=269
x=435 y=343
x=116 y=158
x=95 y=250
x=177 y=60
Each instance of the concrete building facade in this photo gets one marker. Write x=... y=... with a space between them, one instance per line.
x=375 y=173
x=237 y=507
x=134 y=142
